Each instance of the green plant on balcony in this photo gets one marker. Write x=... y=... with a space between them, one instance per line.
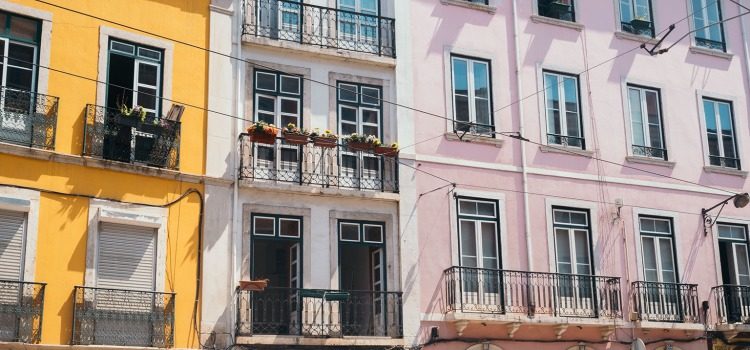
x=294 y=135
x=388 y=151
x=325 y=139
x=357 y=142
x=131 y=116
x=262 y=132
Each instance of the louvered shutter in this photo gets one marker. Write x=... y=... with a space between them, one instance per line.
x=12 y=229
x=126 y=257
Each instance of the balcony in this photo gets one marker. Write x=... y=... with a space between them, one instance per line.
x=665 y=302
x=732 y=305
x=21 y=306
x=336 y=167
x=319 y=313
x=28 y=118
x=289 y=20
x=501 y=292
x=112 y=136
x=123 y=317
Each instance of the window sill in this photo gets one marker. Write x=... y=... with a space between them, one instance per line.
x=711 y=52
x=557 y=22
x=724 y=171
x=470 y=5
x=473 y=138
x=566 y=150
x=634 y=37
x=650 y=161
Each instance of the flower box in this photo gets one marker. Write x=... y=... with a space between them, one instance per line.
x=358 y=146
x=386 y=151
x=261 y=137
x=295 y=138
x=257 y=285
x=325 y=142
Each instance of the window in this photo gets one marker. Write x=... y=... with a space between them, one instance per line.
x=658 y=249
x=359 y=25
x=478 y=233
x=360 y=111
x=637 y=17
x=472 y=100
x=722 y=144
x=709 y=31
x=483 y=2
x=126 y=257
x=276 y=246
x=572 y=241
x=12 y=232
x=646 y=122
x=733 y=254
x=559 y=9
x=134 y=77
x=277 y=226
x=564 y=120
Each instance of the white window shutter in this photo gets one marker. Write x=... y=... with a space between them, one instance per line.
x=126 y=257
x=12 y=229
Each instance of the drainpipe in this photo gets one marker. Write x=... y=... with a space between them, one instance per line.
x=524 y=173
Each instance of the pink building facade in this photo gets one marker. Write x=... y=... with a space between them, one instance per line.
x=559 y=203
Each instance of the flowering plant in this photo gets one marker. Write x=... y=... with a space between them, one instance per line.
x=394 y=145
x=327 y=134
x=371 y=140
x=135 y=111
x=291 y=128
x=260 y=127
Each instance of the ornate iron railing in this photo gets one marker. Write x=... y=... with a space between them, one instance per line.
x=123 y=317
x=650 y=152
x=725 y=162
x=732 y=304
x=21 y=310
x=291 y=20
x=559 y=9
x=110 y=135
x=474 y=128
x=566 y=141
x=712 y=44
x=665 y=302
x=638 y=27
x=336 y=167
x=28 y=118
x=474 y=290
x=318 y=312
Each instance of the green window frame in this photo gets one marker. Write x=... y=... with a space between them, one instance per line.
x=144 y=86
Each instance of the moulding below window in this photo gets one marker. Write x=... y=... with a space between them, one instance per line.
x=471 y=138
x=471 y=5
x=711 y=52
x=557 y=22
x=724 y=171
x=650 y=161
x=634 y=37
x=566 y=150
x=221 y=10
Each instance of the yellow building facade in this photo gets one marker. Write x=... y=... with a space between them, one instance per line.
x=102 y=156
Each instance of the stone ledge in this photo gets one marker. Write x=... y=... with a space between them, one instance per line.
x=471 y=5
x=710 y=52
x=566 y=150
x=557 y=22
x=650 y=161
x=680 y=326
x=270 y=186
x=724 y=171
x=344 y=55
x=318 y=341
x=634 y=37
x=471 y=138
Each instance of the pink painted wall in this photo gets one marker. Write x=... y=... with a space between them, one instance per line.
x=679 y=74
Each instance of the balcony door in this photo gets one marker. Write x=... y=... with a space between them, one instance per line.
x=17 y=98
x=280 y=19
x=358 y=25
x=479 y=246
x=574 y=283
x=360 y=112
x=735 y=271
x=662 y=296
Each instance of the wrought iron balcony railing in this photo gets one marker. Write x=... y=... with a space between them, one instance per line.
x=725 y=162
x=28 y=118
x=319 y=313
x=474 y=128
x=665 y=302
x=559 y=9
x=566 y=141
x=336 y=167
x=110 y=135
x=21 y=306
x=293 y=20
x=123 y=317
x=474 y=290
x=650 y=152
x=732 y=304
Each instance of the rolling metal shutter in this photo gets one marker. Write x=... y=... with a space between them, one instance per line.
x=12 y=229
x=126 y=257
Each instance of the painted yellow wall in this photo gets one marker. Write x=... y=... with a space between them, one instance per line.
x=62 y=236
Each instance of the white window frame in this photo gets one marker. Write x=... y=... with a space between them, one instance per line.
x=652 y=13
x=25 y=201
x=563 y=111
x=719 y=134
x=478 y=220
x=470 y=88
x=642 y=90
x=126 y=214
x=571 y=240
x=340 y=231
x=255 y=233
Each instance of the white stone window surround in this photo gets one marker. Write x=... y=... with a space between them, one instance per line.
x=126 y=214
x=248 y=209
x=583 y=102
x=675 y=218
x=714 y=236
x=737 y=125
x=535 y=17
x=665 y=123
x=490 y=57
x=593 y=217
x=392 y=252
x=389 y=127
x=45 y=43
x=24 y=201
x=642 y=38
x=105 y=33
x=502 y=228
x=304 y=73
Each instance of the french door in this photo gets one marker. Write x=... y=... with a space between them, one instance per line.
x=481 y=278
x=277 y=162
x=358 y=25
x=280 y=19
x=573 y=285
x=17 y=100
x=735 y=271
x=663 y=294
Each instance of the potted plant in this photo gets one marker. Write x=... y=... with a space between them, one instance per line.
x=262 y=132
x=357 y=142
x=130 y=116
x=388 y=151
x=324 y=139
x=294 y=135
x=640 y=24
x=254 y=285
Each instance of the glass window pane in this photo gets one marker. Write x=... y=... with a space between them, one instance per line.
x=578 y=218
x=21 y=56
x=348 y=93
x=468 y=238
x=289 y=106
x=370 y=116
x=571 y=94
x=460 y=77
x=266 y=104
x=662 y=226
x=289 y=228
x=265 y=81
x=290 y=85
x=489 y=240
x=263 y=226
x=23 y=28
x=148 y=53
x=562 y=217
x=582 y=247
x=636 y=117
x=667 y=262
x=481 y=80
x=147 y=74
x=649 y=254
x=563 y=246
x=349 y=114
x=467 y=207
x=19 y=79
x=710 y=113
x=487 y=209
x=373 y=233
x=743 y=269
x=147 y=98
x=725 y=117
x=349 y=232
x=626 y=10
x=370 y=96
x=482 y=108
x=462 y=108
